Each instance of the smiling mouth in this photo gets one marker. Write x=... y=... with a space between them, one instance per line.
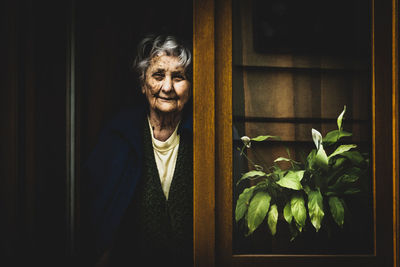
x=167 y=98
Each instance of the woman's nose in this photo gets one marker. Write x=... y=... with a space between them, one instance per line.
x=167 y=84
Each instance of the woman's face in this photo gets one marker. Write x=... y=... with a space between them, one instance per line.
x=166 y=86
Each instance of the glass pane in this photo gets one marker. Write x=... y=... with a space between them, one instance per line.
x=296 y=66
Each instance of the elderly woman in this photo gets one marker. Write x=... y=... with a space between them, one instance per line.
x=141 y=170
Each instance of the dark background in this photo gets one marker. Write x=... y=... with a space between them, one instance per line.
x=36 y=39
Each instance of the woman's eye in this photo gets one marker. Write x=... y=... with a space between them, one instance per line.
x=179 y=77
x=158 y=75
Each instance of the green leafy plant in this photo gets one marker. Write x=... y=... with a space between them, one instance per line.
x=306 y=191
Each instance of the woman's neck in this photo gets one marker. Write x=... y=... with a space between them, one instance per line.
x=163 y=124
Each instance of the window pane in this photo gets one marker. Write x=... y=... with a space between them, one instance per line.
x=296 y=65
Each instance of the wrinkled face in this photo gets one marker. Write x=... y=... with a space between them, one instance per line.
x=166 y=86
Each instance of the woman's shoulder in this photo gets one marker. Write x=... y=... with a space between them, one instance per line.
x=120 y=138
x=126 y=120
x=124 y=127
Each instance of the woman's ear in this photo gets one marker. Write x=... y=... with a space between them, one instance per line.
x=142 y=82
x=142 y=85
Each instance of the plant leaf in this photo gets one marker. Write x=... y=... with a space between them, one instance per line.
x=341 y=149
x=293 y=231
x=282 y=159
x=273 y=219
x=278 y=171
x=352 y=191
x=354 y=171
x=354 y=156
x=298 y=210
x=307 y=189
x=243 y=202
x=343 y=182
x=292 y=180
x=330 y=193
x=286 y=159
x=348 y=178
x=321 y=158
x=340 y=119
x=338 y=163
x=333 y=136
x=252 y=174
x=337 y=210
x=315 y=208
x=258 y=209
x=310 y=159
x=336 y=169
x=258 y=167
x=287 y=213
x=263 y=137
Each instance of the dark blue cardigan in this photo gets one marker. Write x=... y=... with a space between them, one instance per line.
x=113 y=170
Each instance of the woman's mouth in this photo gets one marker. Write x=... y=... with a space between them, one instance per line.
x=167 y=98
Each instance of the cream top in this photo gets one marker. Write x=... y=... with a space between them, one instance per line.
x=165 y=154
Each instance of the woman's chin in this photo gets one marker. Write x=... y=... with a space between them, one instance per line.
x=167 y=108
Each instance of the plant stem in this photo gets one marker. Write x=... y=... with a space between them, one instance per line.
x=260 y=159
x=244 y=154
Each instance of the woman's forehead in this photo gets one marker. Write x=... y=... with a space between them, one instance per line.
x=166 y=63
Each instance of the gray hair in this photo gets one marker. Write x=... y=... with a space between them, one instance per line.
x=152 y=46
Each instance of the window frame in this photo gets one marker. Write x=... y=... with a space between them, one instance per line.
x=212 y=96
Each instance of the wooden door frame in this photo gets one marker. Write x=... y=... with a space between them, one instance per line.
x=203 y=133
x=212 y=96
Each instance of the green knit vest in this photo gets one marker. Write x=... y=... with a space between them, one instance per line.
x=157 y=230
